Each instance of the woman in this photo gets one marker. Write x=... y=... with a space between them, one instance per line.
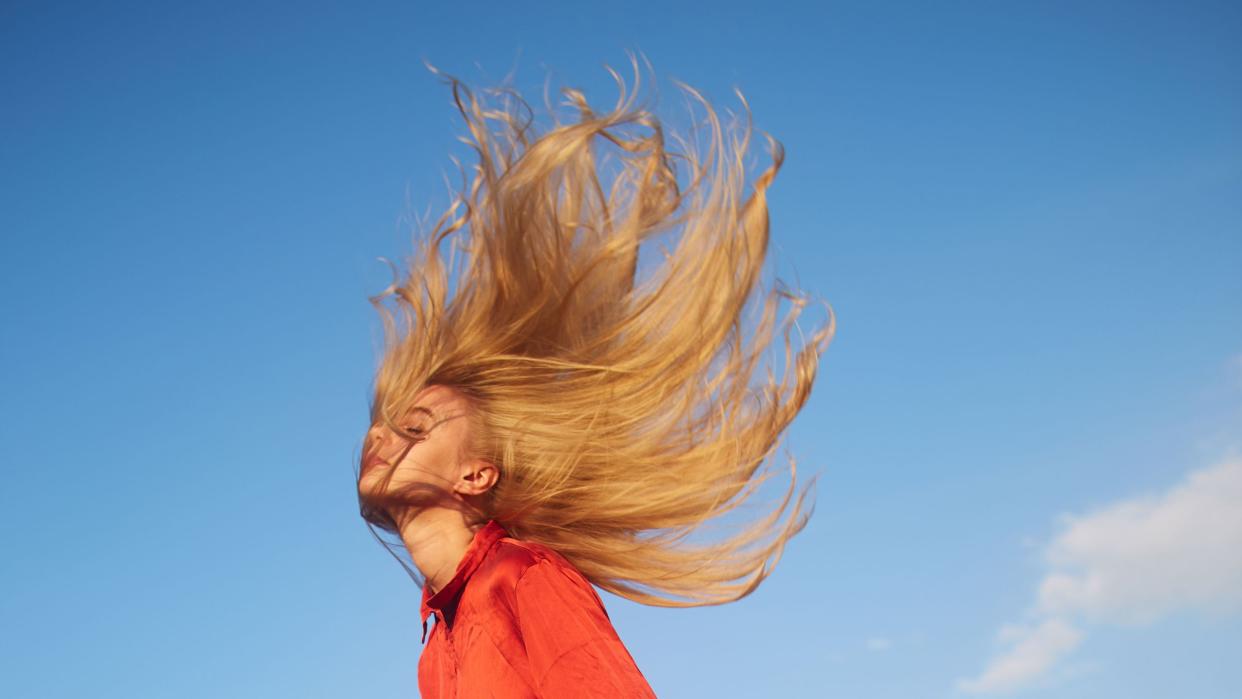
x=552 y=414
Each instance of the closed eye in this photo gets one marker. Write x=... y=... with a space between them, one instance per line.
x=417 y=429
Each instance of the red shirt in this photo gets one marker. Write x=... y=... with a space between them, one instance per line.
x=518 y=620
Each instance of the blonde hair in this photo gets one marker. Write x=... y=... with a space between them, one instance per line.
x=620 y=409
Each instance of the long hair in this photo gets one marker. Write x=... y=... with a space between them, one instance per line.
x=619 y=400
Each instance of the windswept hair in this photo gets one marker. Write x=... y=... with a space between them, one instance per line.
x=620 y=403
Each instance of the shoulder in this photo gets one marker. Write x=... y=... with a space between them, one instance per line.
x=510 y=559
x=514 y=568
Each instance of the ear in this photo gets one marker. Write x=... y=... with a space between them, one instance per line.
x=476 y=477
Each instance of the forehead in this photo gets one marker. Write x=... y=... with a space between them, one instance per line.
x=442 y=401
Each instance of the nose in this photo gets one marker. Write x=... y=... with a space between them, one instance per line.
x=375 y=438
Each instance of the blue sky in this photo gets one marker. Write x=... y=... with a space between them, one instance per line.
x=1028 y=427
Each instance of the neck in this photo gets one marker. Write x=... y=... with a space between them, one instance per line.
x=437 y=539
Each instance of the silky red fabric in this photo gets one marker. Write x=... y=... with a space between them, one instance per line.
x=519 y=621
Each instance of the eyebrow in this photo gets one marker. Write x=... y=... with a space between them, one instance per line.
x=419 y=408
x=416 y=409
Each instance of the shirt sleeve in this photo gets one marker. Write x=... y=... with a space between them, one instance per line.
x=572 y=647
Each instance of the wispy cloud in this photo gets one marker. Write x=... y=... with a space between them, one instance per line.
x=879 y=643
x=1129 y=563
x=1235 y=370
x=1035 y=650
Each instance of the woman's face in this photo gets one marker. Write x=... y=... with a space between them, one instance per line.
x=429 y=466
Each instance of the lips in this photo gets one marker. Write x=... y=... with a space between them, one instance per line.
x=370 y=461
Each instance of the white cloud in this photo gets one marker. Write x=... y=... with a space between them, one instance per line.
x=1137 y=561
x=1034 y=651
x=1129 y=563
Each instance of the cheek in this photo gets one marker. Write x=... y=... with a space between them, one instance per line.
x=426 y=462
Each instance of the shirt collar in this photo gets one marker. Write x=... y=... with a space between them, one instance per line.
x=448 y=595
